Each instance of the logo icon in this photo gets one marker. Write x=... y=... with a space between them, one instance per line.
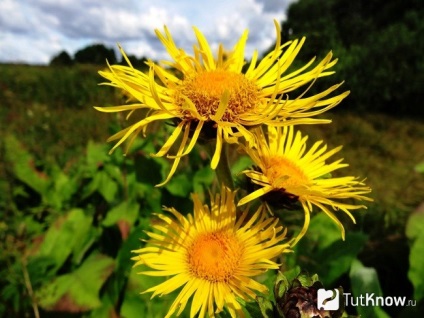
x=328 y=299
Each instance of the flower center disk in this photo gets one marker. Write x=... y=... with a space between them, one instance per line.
x=215 y=256
x=284 y=173
x=206 y=89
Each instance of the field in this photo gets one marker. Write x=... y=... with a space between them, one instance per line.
x=71 y=213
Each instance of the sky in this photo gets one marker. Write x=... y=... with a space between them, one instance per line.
x=33 y=31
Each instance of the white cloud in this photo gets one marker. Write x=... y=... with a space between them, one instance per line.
x=34 y=30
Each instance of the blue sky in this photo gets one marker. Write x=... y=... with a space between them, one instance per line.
x=32 y=31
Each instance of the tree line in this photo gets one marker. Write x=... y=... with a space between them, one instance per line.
x=379 y=44
x=95 y=54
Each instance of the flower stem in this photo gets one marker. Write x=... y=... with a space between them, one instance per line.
x=222 y=170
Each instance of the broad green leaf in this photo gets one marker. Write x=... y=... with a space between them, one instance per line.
x=416 y=267
x=97 y=154
x=61 y=189
x=115 y=171
x=364 y=280
x=79 y=290
x=107 y=187
x=71 y=233
x=84 y=238
x=415 y=233
x=336 y=259
x=126 y=211
x=415 y=225
x=23 y=165
x=103 y=184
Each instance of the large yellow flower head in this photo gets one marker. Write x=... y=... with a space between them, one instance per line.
x=212 y=255
x=288 y=172
x=213 y=98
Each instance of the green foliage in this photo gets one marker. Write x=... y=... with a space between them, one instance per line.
x=378 y=45
x=77 y=291
x=69 y=234
x=365 y=281
x=323 y=252
x=386 y=151
x=62 y=59
x=75 y=87
x=70 y=224
x=96 y=54
x=415 y=233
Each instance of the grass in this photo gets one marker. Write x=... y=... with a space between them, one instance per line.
x=385 y=150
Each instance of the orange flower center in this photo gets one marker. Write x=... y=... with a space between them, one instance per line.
x=215 y=256
x=285 y=174
x=206 y=89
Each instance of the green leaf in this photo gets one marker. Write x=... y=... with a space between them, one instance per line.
x=336 y=259
x=261 y=308
x=97 y=155
x=364 y=280
x=324 y=247
x=323 y=231
x=241 y=164
x=135 y=303
x=180 y=186
x=114 y=170
x=103 y=184
x=415 y=233
x=281 y=285
x=420 y=167
x=61 y=190
x=307 y=280
x=202 y=180
x=153 y=199
x=415 y=225
x=79 y=290
x=107 y=309
x=291 y=274
x=107 y=187
x=416 y=267
x=72 y=233
x=126 y=211
x=23 y=165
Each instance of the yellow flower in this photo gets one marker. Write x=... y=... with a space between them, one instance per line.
x=212 y=98
x=212 y=255
x=288 y=173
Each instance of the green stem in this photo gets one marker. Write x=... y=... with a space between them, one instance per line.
x=222 y=170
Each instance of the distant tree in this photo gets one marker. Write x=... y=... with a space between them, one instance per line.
x=379 y=44
x=62 y=59
x=95 y=54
